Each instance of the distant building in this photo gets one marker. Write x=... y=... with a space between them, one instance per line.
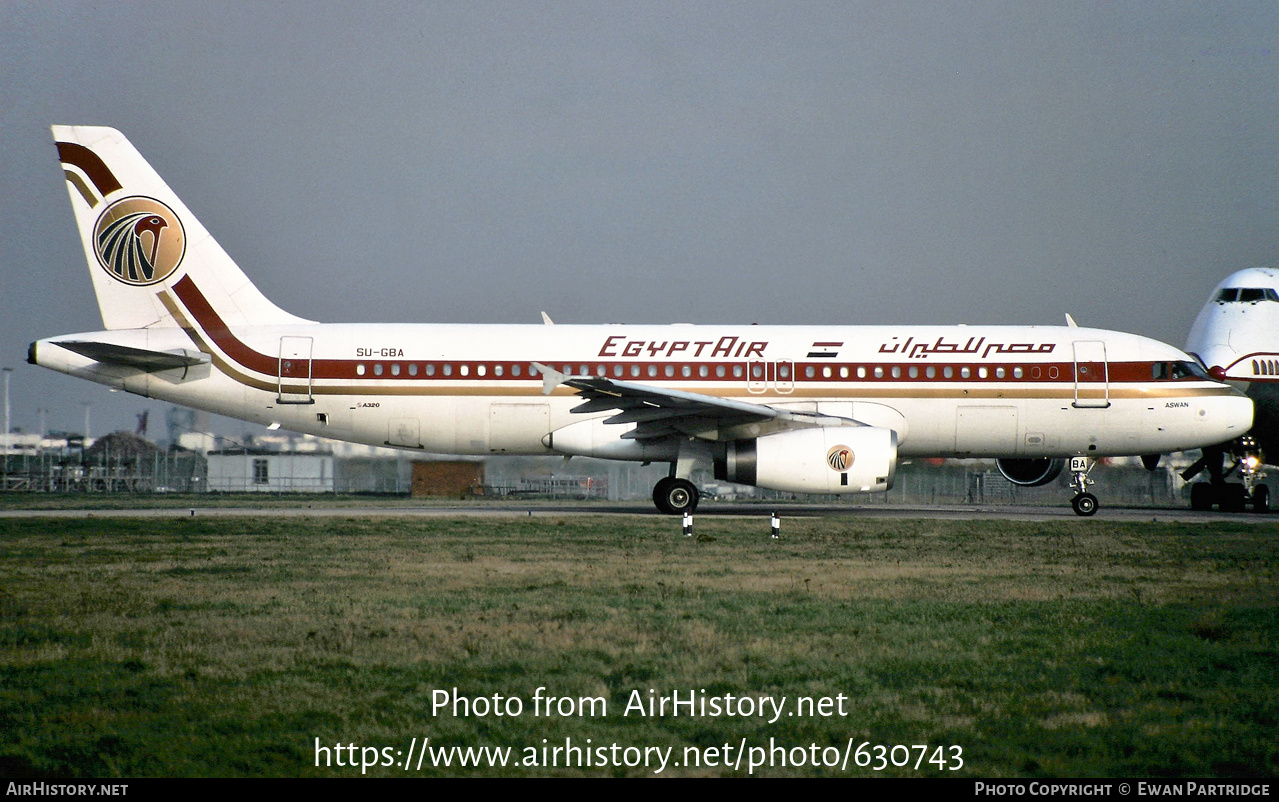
x=452 y=478
x=258 y=471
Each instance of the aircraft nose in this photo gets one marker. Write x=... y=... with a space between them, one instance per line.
x=1237 y=414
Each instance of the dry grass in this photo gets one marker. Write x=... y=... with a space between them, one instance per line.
x=216 y=647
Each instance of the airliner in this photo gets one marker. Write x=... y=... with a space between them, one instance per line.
x=820 y=409
x=1236 y=336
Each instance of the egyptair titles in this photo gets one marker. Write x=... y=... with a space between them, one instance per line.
x=974 y=345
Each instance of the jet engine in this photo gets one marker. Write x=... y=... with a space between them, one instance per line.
x=1030 y=472
x=828 y=459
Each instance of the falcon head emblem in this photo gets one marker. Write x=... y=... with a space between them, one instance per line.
x=839 y=458
x=139 y=240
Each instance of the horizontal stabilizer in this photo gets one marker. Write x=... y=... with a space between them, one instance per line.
x=150 y=361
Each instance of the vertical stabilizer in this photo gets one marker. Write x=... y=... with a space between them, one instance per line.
x=141 y=241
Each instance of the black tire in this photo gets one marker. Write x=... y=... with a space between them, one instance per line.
x=1261 y=499
x=675 y=496
x=1085 y=504
x=1202 y=496
x=1234 y=497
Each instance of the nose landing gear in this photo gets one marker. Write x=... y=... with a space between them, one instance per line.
x=1244 y=457
x=1084 y=503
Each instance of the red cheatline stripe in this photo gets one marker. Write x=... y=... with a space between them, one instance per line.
x=220 y=334
x=209 y=320
x=78 y=155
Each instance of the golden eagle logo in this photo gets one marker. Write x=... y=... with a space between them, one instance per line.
x=139 y=241
x=839 y=458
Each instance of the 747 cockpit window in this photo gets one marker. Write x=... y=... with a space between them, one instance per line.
x=1247 y=295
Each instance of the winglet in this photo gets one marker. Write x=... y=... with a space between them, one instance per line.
x=547 y=319
x=551 y=378
x=1070 y=321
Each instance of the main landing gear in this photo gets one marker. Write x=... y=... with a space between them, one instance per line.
x=1085 y=503
x=675 y=496
x=1245 y=457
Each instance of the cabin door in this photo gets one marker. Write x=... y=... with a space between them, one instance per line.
x=1092 y=375
x=295 y=371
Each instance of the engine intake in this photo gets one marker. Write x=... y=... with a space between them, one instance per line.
x=1030 y=472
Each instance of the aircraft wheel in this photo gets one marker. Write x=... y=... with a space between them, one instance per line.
x=1085 y=504
x=1234 y=497
x=1261 y=499
x=675 y=496
x=1202 y=496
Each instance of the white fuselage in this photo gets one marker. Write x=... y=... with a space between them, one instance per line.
x=954 y=391
x=1236 y=336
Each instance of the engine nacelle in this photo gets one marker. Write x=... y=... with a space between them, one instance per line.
x=595 y=438
x=830 y=459
x=1030 y=472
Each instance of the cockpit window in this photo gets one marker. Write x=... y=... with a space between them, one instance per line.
x=1171 y=371
x=1186 y=370
x=1247 y=295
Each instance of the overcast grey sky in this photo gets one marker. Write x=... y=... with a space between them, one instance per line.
x=656 y=162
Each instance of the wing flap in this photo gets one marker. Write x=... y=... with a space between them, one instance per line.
x=660 y=412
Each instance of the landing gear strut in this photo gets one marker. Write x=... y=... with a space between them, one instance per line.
x=675 y=496
x=1085 y=503
x=1245 y=457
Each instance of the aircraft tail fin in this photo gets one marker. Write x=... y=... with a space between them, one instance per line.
x=150 y=259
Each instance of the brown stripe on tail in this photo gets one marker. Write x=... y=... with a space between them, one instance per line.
x=78 y=155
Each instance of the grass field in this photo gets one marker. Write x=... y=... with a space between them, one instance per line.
x=228 y=646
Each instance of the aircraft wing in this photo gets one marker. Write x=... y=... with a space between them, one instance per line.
x=658 y=412
x=139 y=358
